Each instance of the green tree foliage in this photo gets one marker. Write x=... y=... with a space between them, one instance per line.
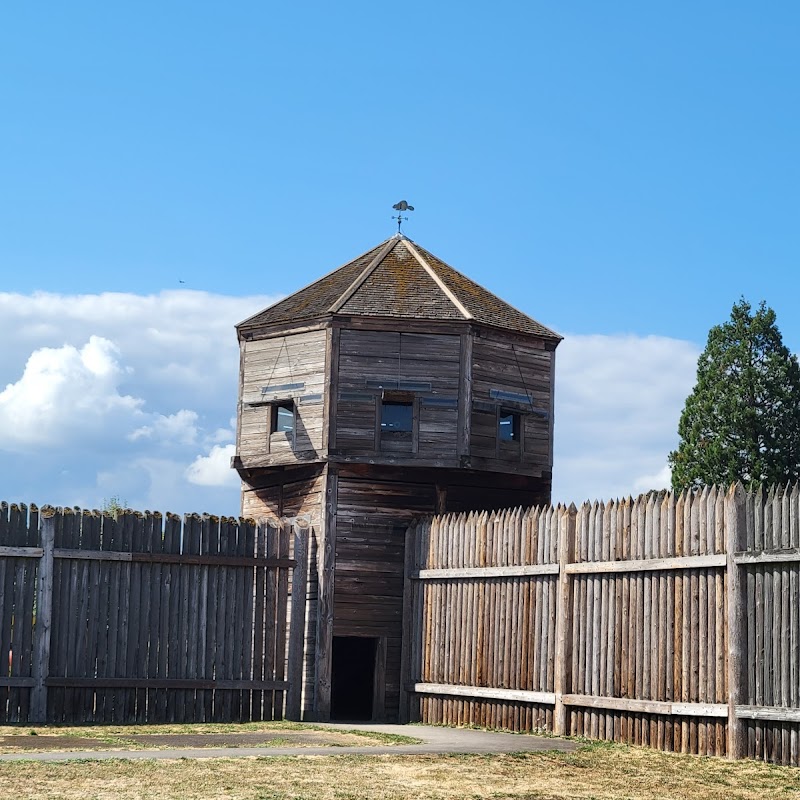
x=742 y=419
x=114 y=506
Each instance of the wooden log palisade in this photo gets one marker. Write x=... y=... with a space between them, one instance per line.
x=669 y=621
x=141 y=618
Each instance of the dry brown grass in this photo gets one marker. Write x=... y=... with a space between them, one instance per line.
x=604 y=771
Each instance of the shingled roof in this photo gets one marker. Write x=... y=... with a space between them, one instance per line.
x=398 y=278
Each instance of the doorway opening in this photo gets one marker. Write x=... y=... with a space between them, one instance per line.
x=353 y=678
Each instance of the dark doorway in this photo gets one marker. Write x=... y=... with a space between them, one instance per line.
x=353 y=677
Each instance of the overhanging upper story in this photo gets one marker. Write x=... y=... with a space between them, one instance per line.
x=396 y=359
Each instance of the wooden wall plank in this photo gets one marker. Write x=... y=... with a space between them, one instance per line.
x=326 y=562
x=297 y=623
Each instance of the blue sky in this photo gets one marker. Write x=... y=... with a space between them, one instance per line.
x=619 y=170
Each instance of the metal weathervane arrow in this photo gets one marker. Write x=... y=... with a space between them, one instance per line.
x=400 y=208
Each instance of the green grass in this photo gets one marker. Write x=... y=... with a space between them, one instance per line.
x=118 y=736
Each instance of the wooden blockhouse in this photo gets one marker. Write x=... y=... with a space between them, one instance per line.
x=391 y=388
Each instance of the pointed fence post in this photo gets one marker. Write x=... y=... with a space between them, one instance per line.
x=44 y=617
x=563 y=655
x=409 y=629
x=736 y=524
x=297 y=622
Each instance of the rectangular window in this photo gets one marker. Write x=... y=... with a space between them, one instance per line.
x=508 y=426
x=396 y=422
x=283 y=418
x=397 y=417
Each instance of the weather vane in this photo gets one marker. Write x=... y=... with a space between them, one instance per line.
x=400 y=208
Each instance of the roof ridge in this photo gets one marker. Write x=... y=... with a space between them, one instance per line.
x=451 y=296
x=365 y=273
x=550 y=331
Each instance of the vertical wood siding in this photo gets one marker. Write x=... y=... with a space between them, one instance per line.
x=772 y=588
x=636 y=645
x=19 y=528
x=152 y=619
x=499 y=364
x=371 y=520
x=368 y=358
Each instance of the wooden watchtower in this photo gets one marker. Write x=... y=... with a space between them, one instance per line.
x=390 y=388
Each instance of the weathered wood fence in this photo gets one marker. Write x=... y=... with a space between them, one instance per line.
x=147 y=618
x=667 y=621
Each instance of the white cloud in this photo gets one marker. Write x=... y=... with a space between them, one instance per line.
x=618 y=401
x=215 y=468
x=661 y=480
x=180 y=344
x=221 y=435
x=65 y=393
x=118 y=394
x=180 y=427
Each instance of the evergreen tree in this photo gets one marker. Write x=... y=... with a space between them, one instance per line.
x=742 y=419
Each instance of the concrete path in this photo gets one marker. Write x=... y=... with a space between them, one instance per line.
x=434 y=741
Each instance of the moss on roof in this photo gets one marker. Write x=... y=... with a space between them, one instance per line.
x=398 y=278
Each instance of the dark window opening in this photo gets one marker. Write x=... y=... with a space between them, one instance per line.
x=283 y=418
x=397 y=420
x=508 y=427
x=353 y=678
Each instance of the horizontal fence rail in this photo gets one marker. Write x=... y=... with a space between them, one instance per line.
x=139 y=617
x=667 y=620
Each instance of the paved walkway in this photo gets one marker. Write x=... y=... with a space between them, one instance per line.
x=433 y=741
